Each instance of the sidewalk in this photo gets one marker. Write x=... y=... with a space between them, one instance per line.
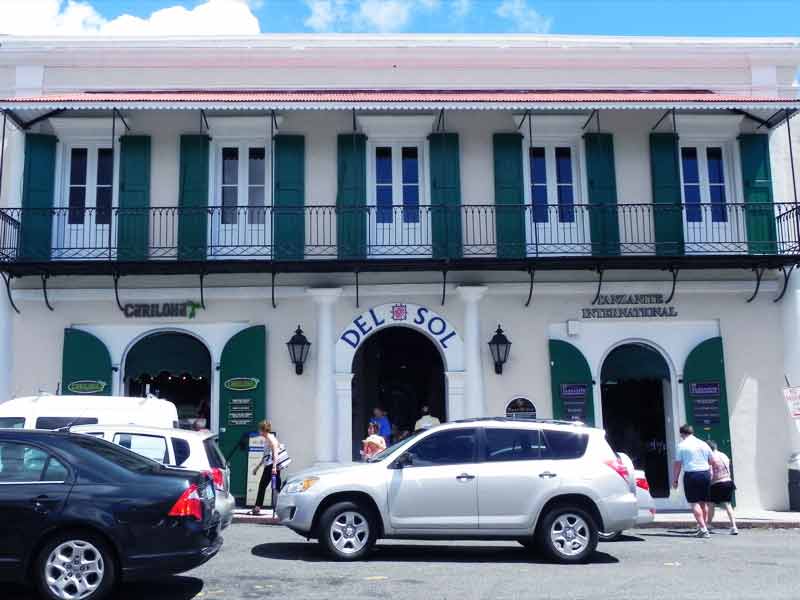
x=242 y=515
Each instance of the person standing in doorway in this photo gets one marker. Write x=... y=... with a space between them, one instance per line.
x=269 y=462
x=722 y=486
x=384 y=425
x=694 y=458
x=426 y=420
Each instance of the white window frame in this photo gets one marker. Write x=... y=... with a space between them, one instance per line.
x=731 y=190
x=550 y=146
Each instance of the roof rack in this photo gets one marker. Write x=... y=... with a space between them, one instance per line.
x=522 y=420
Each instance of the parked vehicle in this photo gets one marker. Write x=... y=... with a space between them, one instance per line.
x=195 y=450
x=552 y=485
x=54 y=412
x=646 y=507
x=80 y=514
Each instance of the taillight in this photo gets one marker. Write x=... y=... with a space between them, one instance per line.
x=218 y=477
x=641 y=483
x=619 y=467
x=189 y=504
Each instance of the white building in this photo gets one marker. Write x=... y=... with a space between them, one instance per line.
x=174 y=208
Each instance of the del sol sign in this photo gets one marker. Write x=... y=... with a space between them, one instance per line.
x=400 y=313
x=630 y=306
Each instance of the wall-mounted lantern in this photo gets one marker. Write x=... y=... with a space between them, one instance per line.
x=499 y=346
x=298 y=350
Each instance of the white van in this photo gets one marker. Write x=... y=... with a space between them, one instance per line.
x=54 y=412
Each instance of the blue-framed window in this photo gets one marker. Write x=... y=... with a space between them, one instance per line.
x=704 y=183
x=397 y=183
x=551 y=175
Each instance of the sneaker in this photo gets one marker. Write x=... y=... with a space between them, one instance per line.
x=703 y=534
x=734 y=531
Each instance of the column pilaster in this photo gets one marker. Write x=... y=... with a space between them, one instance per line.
x=474 y=391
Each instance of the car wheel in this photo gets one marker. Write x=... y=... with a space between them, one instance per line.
x=347 y=531
x=568 y=534
x=75 y=565
x=612 y=536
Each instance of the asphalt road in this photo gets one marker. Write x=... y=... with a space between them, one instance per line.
x=260 y=561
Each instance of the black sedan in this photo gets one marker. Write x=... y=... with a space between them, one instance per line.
x=78 y=514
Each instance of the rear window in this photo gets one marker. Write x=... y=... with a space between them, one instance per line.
x=215 y=458
x=512 y=444
x=59 y=422
x=115 y=454
x=563 y=444
x=181 y=450
x=12 y=422
x=153 y=447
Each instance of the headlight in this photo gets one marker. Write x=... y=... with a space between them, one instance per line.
x=301 y=485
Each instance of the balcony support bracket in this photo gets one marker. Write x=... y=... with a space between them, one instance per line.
x=45 y=277
x=532 y=275
x=599 y=285
x=274 y=304
x=759 y=271
x=7 y=277
x=358 y=304
x=116 y=292
x=202 y=290
x=787 y=274
x=444 y=284
x=674 y=272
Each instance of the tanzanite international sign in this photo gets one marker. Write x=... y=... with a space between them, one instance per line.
x=573 y=399
x=629 y=306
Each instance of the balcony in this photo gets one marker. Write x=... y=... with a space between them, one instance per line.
x=330 y=238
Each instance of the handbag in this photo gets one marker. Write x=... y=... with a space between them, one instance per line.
x=283 y=459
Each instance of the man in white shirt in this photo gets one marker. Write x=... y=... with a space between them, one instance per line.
x=426 y=421
x=694 y=457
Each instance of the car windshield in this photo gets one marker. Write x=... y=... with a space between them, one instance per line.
x=120 y=456
x=384 y=453
x=12 y=422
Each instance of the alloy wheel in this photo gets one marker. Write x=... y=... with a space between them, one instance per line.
x=74 y=570
x=570 y=534
x=349 y=532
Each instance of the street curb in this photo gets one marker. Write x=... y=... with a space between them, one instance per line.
x=740 y=524
x=255 y=520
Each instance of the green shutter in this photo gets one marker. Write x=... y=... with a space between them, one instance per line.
x=289 y=201
x=445 y=195
x=85 y=365
x=193 y=199
x=757 y=180
x=38 y=191
x=509 y=197
x=665 y=173
x=600 y=172
x=133 y=220
x=351 y=196
x=706 y=365
x=240 y=410
x=570 y=383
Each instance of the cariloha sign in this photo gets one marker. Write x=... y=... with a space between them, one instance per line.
x=414 y=316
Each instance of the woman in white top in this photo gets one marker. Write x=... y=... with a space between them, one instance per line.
x=722 y=486
x=271 y=471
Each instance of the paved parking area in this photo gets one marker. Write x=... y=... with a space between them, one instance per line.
x=260 y=561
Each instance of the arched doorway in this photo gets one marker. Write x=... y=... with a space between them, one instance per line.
x=636 y=405
x=174 y=366
x=399 y=370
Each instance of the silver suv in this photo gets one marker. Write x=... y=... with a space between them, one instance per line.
x=547 y=484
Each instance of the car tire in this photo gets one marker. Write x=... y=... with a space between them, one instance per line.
x=347 y=531
x=568 y=534
x=73 y=559
x=612 y=536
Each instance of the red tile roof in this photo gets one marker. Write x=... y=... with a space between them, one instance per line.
x=399 y=96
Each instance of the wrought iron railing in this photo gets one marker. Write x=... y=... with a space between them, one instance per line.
x=396 y=232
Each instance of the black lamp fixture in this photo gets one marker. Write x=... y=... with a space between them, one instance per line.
x=499 y=346
x=298 y=350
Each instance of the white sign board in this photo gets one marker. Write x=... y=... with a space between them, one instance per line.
x=792 y=397
x=255 y=453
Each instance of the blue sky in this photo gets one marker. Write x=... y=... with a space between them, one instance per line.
x=626 y=17
x=613 y=17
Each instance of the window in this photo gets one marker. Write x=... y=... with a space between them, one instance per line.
x=215 y=458
x=242 y=177
x=451 y=447
x=512 y=444
x=12 y=422
x=25 y=464
x=561 y=445
x=91 y=185
x=704 y=183
x=396 y=174
x=552 y=177
x=152 y=446
x=60 y=422
x=181 y=450
x=114 y=454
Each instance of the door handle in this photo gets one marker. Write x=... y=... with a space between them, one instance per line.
x=547 y=475
x=465 y=477
x=40 y=503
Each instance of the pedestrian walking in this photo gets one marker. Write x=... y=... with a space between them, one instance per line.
x=722 y=486
x=426 y=420
x=273 y=459
x=694 y=458
x=373 y=444
x=384 y=425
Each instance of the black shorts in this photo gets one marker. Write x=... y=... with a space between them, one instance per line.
x=721 y=492
x=696 y=486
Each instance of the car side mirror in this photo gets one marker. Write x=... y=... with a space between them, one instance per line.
x=404 y=460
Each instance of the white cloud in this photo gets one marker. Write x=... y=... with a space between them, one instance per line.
x=383 y=15
x=79 y=17
x=461 y=8
x=326 y=14
x=366 y=15
x=523 y=17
